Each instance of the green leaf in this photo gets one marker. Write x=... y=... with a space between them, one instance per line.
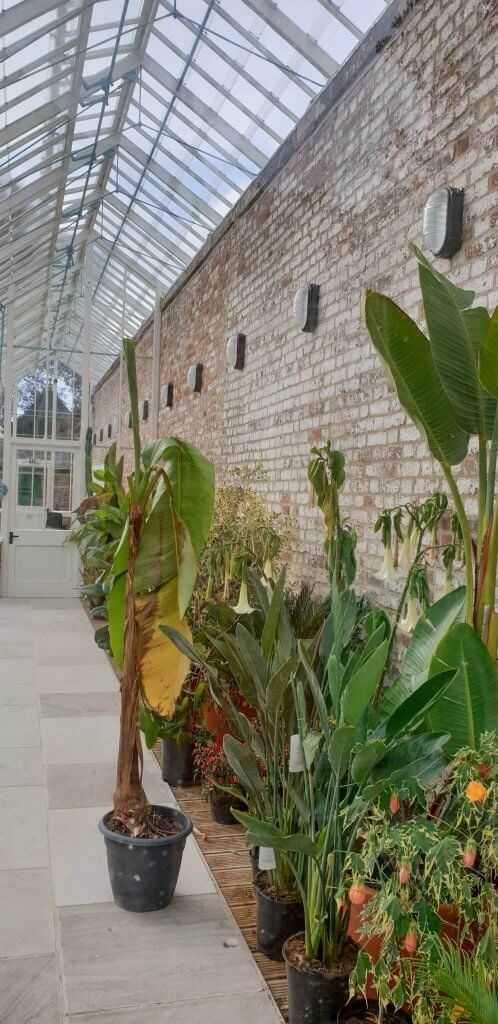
x=315 y=689
x=411 y=713
x=488 y=357
x=271 y=621
x=360 y=689
x=407 y=357
x=311 y=743
x=244 y=764
x=414 y=756
x=340 y=749
x=251 y=656
x=427 y=634
x=456 y=336
x=191 y=478
x=276 y=688
x=469 y=706
x=262 y=833
x=366 y=759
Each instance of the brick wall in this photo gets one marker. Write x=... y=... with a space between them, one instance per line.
x=338 y=206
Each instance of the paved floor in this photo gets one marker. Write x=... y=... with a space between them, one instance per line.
x=67 y=953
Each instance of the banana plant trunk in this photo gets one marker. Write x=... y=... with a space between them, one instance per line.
x=130 y=802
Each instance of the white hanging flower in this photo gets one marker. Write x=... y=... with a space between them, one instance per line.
x=448 y=585
x=268 y=569
x=243 y=607
x=414 y=537
x=407 y=625
x=388 y=571
x=405 y=559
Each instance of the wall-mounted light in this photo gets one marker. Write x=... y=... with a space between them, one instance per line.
x=306 y=306
x=143 y=409
x=95 y=438
x=109 y=429
x=101 y=434
x=128 y=418
x=115 y=428
x=167 y=396
x=236 y=351
x=443 y=221
x=194 y=377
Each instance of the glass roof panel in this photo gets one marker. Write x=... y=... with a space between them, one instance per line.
x=138 y=124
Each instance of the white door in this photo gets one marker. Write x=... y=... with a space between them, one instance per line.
x=41 y=561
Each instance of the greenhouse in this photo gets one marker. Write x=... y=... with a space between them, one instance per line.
x=249 y=512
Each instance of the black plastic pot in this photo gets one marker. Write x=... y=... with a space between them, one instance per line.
x=144 y=872
x=276 y=920
x=178 y=763
x=254 y=855
x=220 y=807
x=314 y=998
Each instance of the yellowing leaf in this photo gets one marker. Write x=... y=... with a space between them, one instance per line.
x=162 y=667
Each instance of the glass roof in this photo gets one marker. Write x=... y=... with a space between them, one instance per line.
x=137 y=124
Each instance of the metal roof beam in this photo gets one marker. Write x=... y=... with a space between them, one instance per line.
x=299 y=40
x=205 y=112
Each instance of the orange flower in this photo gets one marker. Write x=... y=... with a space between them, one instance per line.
x=476 y=792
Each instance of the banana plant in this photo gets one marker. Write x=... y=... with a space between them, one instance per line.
x=169 y=503
x=447 y=382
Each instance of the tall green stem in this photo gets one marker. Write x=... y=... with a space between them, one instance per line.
x=482 y=520
x=467 y=542
x=131 y=373
x=491 y=481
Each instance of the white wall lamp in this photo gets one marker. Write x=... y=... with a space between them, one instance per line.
x=167 y=396
x=442 y=224
x=143 y=409
x=194 y=377
x=236 y=351
x=306 y=307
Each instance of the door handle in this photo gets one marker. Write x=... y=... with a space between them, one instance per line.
x=11 y=537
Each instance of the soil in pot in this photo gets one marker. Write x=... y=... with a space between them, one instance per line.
x=359 y=1012
x=316 y=994
x=278 y=916
x=144 y=871
x=220 y=807
x=178 y=763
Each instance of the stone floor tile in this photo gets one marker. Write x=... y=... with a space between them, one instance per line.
x=92 y=785
x=19 y=727
x=79 y=740
x=21 y=766
x=29 y=991
x=26 y=913
x=181 y=949
x=24 y=827
x=20 y=671
x=75 y=678
x=16 y=695
x=64 y=705
x=244 y=1008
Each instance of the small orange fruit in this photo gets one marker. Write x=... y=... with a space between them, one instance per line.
x=357 y=895
x=476 y=792
x=469 y=856
x=404 y=874
x=394 y=804
x=410 y=943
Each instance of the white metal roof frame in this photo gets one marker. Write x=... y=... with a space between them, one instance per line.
x=138 y=124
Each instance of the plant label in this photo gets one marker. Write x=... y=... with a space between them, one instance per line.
x=296 y=755
x=266 y=859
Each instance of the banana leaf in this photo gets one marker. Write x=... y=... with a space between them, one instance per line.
x=488 y=357
x=469 y=707
x=163 y=666
x=456 y=335
x=407 y=357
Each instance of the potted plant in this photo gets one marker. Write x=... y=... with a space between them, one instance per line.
x=431 y=865
x=178 y=732
x=218 y=782
x=169 y=503
x=250 y=662
x=447 y=382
